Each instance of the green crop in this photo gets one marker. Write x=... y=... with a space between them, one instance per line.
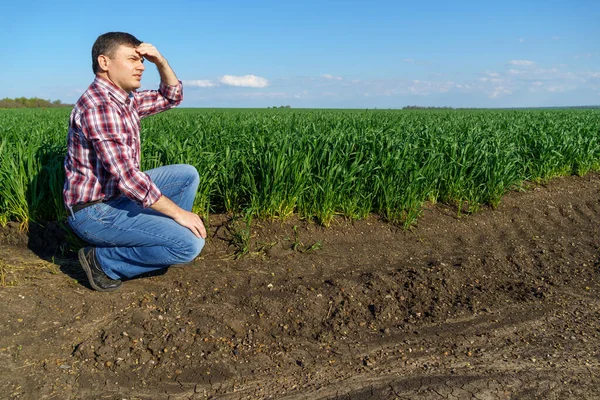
x=317 y=163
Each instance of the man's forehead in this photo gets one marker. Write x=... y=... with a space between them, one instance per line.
x=126 y=50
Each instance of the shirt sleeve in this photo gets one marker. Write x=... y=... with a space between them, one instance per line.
x=104 y=127
x=151 y=102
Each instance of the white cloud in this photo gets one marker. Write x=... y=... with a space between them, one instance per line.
x=263 y=95
x=424 y=88
x=201 y=83
x=551 y=70
x=498 y=91
x=521 y=40
x=301 y=95
x=513 y=71
x=522 y=63
x=544 y=74
x=500 y=86
x=492 y=77
x=244 y=81
x=408 y=60
x=555 y=89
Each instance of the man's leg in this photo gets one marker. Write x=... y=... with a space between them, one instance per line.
x=131 y=240
x=178 y=182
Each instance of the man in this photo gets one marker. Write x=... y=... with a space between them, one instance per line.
x=136 y=221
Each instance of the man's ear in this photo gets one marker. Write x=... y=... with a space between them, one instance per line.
x=103 y=62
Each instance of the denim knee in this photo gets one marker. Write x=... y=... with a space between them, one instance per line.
x=191 y=173
x=191 y=249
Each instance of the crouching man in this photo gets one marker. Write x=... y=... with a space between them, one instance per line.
x=136 y=222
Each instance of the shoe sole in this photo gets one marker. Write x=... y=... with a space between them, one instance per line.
x=88 y=271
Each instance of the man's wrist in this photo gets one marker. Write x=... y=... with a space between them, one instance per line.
x=162 y=63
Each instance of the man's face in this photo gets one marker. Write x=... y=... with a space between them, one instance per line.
x=125 y=68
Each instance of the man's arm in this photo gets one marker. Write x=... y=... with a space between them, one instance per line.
x=192 y=221
x=151 y=53
x=170 y=92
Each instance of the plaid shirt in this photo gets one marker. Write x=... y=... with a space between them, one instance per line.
x=103 y=149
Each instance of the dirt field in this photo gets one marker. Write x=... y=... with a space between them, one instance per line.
x=502 y=304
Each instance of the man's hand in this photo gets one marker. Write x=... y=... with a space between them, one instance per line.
x=151 y=53
x=185 y=218
x=191 y=221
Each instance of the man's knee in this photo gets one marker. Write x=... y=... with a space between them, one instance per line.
x=198 y=245
x=191 y=249
x=191 y=172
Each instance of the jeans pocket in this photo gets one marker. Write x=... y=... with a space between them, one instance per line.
x=77 y=220
x=91 y=225
x=101 y=213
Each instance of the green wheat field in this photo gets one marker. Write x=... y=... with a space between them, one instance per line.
x=272 y=163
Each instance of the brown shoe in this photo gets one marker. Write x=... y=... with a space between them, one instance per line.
x=98 y=279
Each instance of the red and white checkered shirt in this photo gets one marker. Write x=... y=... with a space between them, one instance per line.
x=103 y=145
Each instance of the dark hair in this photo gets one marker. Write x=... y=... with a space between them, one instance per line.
x=107 y=44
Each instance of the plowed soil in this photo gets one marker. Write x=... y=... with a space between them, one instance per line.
x=500 y=304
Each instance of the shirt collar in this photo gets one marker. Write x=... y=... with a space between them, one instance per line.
x=119 y=94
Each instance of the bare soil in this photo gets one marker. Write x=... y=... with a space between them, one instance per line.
x=501 y=304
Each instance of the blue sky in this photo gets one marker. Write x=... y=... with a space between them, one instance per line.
x=323 y=54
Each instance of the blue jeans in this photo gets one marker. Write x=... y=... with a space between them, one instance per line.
x=131 y=240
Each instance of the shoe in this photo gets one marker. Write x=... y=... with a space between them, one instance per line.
x=98 y=279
